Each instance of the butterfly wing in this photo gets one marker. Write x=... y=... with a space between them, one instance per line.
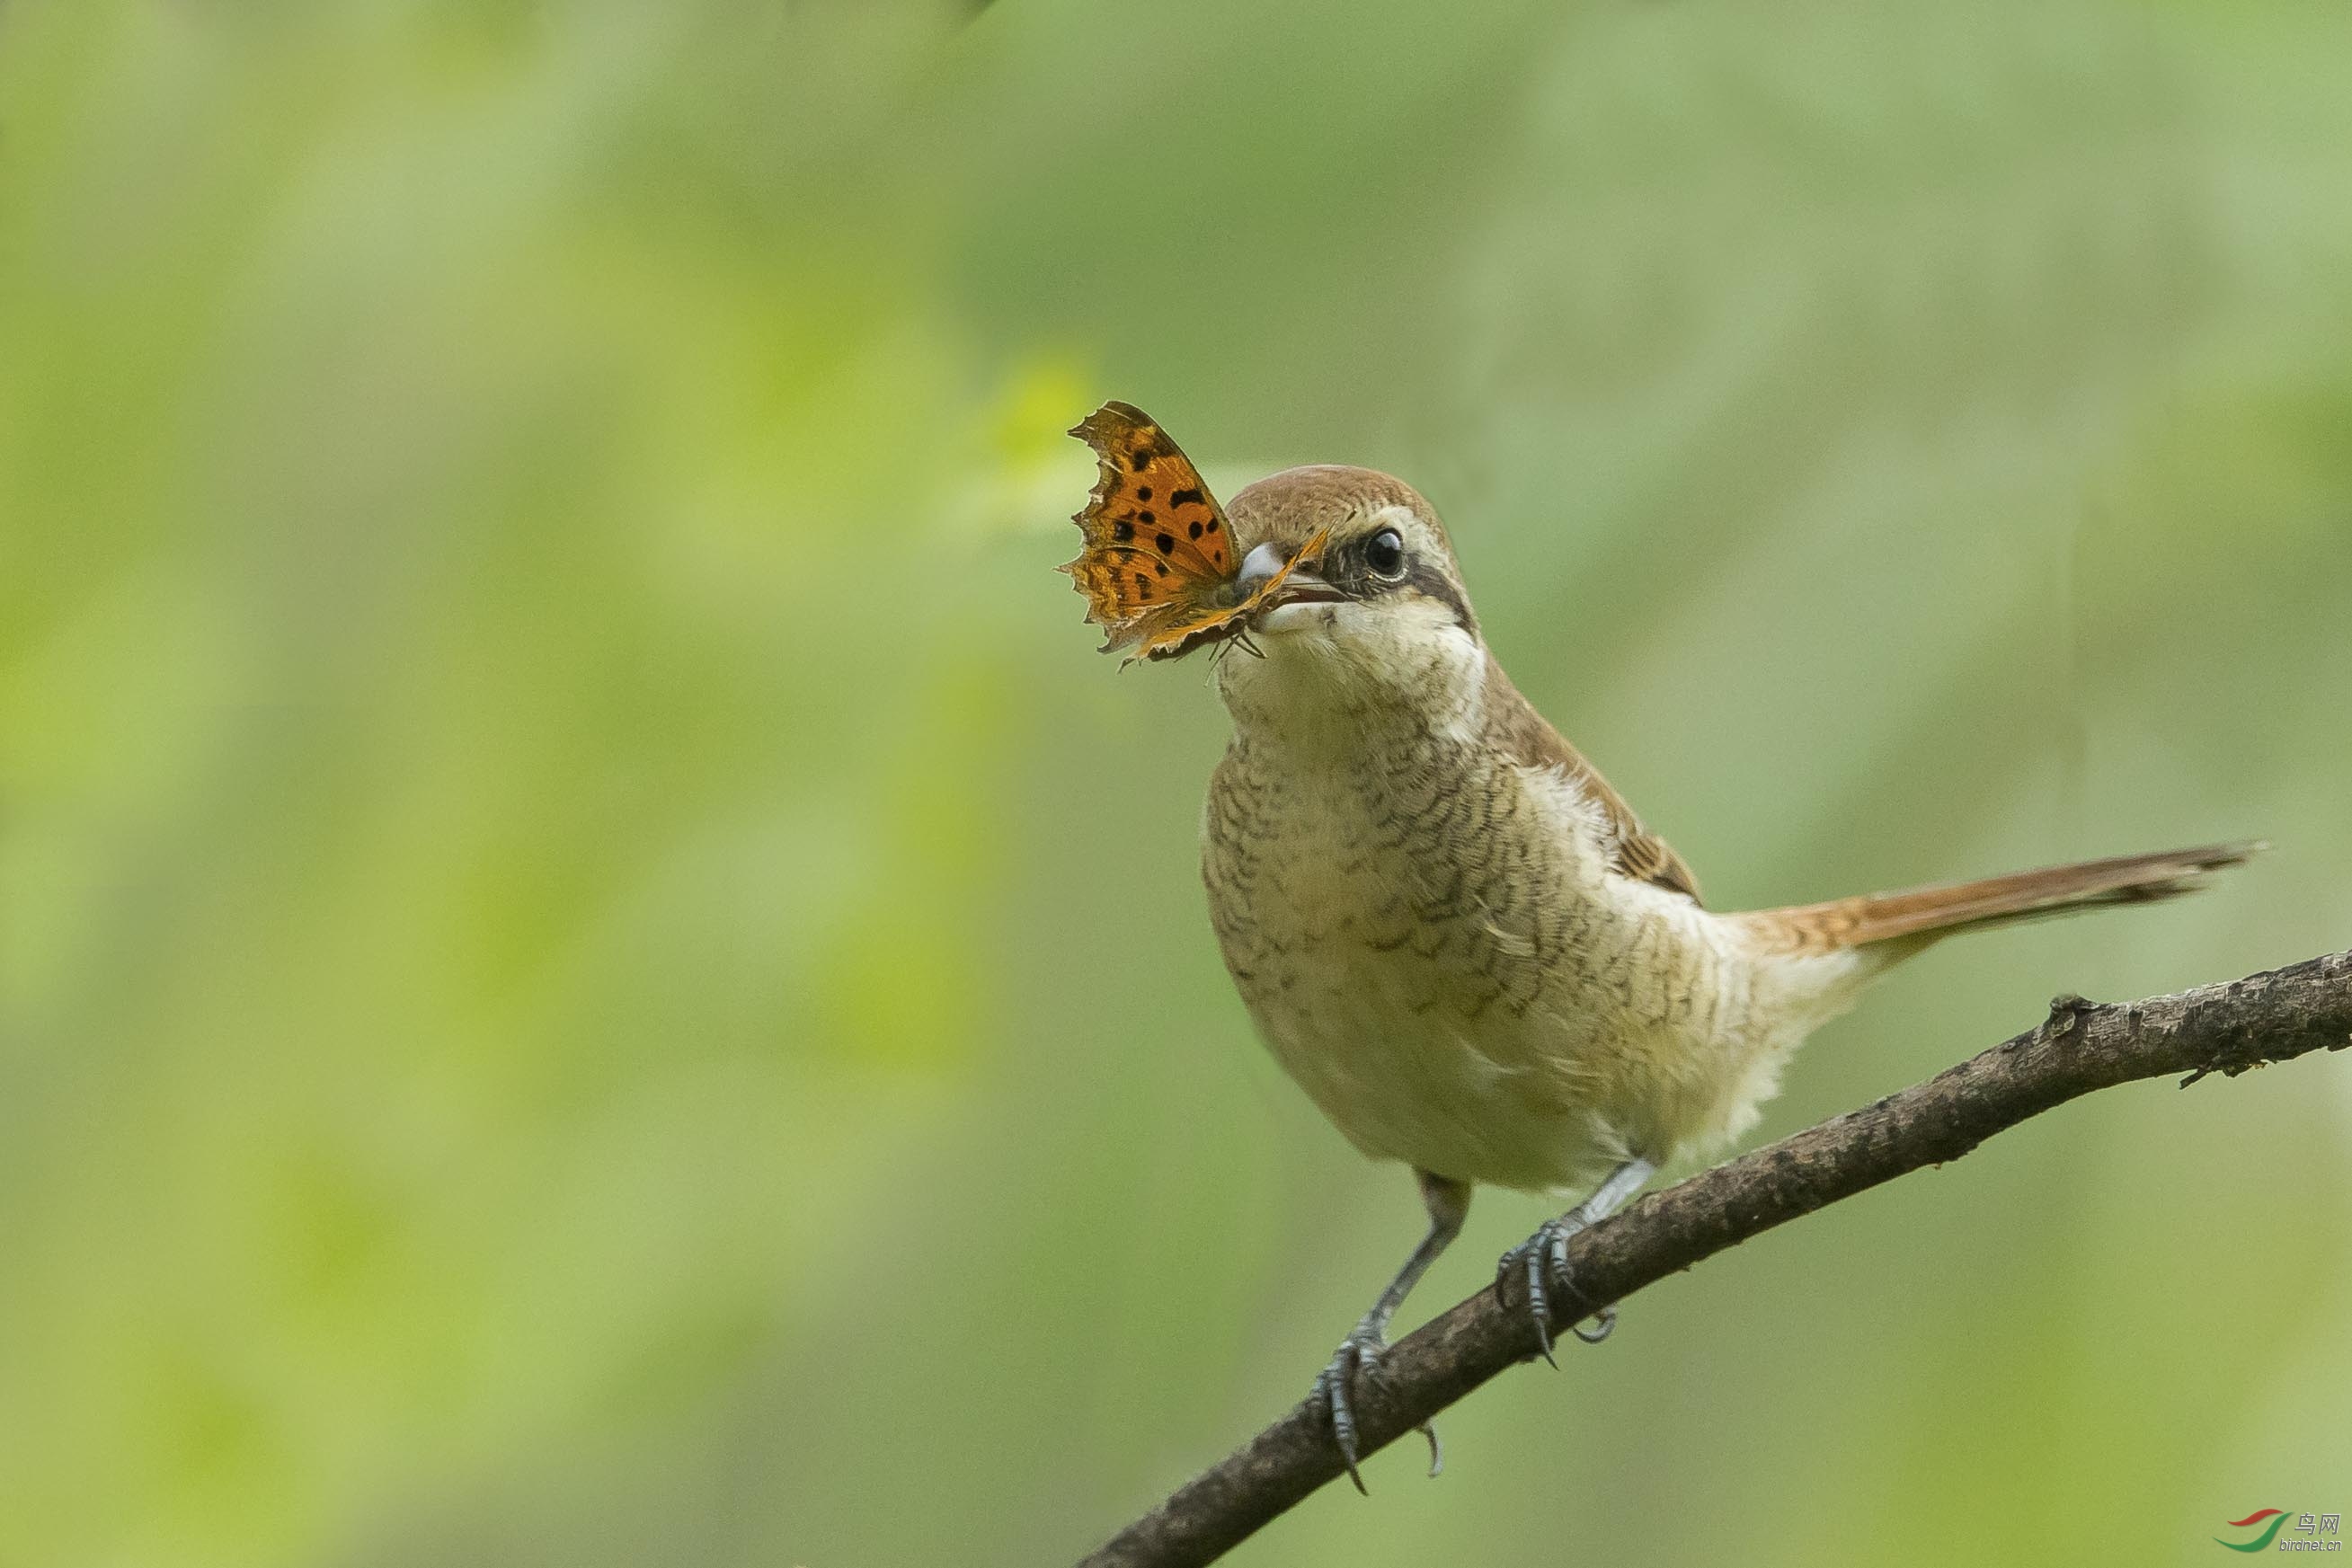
x=1156 y=563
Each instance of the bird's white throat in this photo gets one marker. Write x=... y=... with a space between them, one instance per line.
x=1352 y=676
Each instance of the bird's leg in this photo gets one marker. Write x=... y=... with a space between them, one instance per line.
x=1448 y=1203
x=1544 y=1255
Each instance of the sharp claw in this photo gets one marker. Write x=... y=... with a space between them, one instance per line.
x=1436 y=1450
x=1549 y=1246
x=1333 y=1386
x=1539 y=1304
x=1561 y=1232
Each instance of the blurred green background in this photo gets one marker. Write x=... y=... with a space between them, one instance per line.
x=567 y=861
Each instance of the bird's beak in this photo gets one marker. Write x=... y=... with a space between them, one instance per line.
x=1263 y=563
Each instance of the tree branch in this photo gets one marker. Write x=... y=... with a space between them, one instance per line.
x=2081 y=1047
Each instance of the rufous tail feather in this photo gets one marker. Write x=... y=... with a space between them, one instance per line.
x=1921 y=915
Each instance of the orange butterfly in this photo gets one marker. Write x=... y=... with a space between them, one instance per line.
x=1157 y=565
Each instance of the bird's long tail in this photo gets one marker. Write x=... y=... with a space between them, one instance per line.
x=1898 y=923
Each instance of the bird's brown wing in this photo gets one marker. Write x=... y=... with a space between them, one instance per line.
x=1519 y=732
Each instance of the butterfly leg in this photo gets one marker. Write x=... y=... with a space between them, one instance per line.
x=1544 y=1256
x=1359 y=1355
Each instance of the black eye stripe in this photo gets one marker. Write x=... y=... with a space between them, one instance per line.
x=1348 y=567
x=1436 y=585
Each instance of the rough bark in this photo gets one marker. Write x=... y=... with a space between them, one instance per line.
x=2081 y=1047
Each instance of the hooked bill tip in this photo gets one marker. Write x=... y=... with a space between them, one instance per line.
x=1261 y=563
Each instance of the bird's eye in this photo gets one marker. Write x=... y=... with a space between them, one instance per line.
x=1384 y=553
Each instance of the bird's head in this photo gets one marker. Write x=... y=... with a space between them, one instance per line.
x=1377 y=626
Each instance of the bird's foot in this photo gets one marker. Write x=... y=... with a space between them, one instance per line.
x=1357 y=1360
x=1543 y=1258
